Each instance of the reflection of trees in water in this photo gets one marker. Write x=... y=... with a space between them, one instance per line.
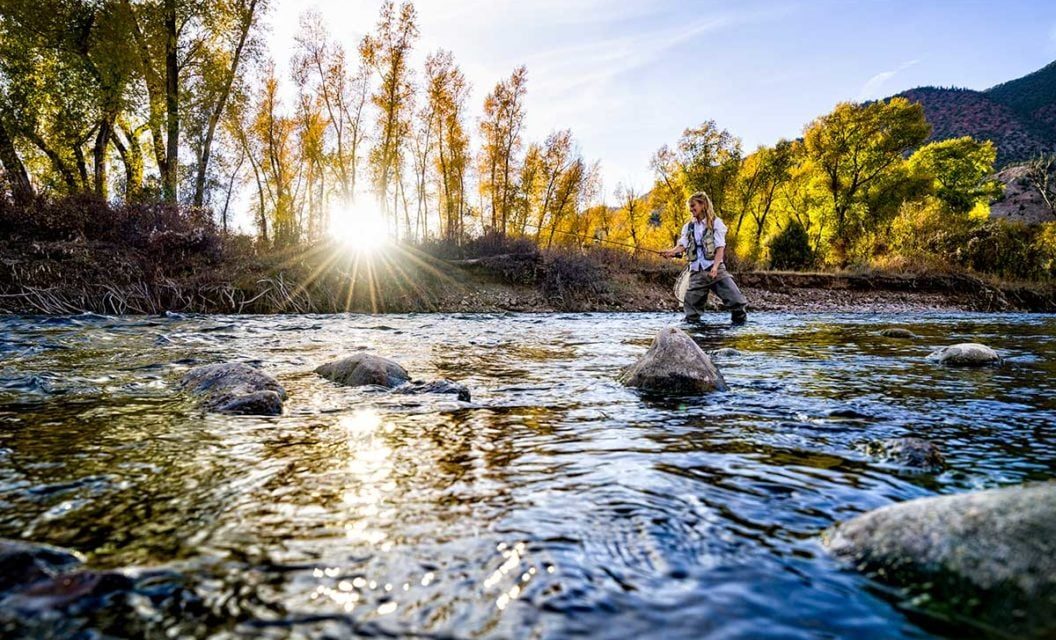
x=128 y=481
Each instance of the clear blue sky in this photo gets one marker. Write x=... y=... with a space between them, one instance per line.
x=629 y=75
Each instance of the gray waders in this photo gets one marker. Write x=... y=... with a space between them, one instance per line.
x=700 y=283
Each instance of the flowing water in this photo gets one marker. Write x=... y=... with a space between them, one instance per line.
x=557 y=503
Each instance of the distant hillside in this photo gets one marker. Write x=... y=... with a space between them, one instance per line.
x=1019 y=116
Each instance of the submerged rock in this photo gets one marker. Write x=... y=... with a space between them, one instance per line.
x=363 y=369
x=435 y=386
x=674 y=364
x=990 y=555
x=897 y=332
x=66 y=589
x=24 y=563
x=235 y=388
x=725 y=352
x=913 y=453
x=968 y=354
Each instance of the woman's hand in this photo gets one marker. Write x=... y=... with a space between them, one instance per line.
x=714 y=273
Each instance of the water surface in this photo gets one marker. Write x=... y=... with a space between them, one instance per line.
x=558 y=503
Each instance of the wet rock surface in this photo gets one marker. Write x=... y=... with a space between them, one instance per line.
x=24 y=563
x=990 y=555
x=967 y=354
x=725 y=352
x=435 y=386
x=364 y=369
x=897 y=332
x=234 y=388
x=911 y=453
x=674 y=364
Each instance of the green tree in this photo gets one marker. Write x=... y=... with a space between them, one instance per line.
x=855 y=146
x=962 y=170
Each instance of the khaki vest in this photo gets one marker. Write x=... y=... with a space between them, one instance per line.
x=708 y=240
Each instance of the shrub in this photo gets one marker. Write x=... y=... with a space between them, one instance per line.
x=566 y=273
x=165 y=234
x=1009 y=249
x=790 y=249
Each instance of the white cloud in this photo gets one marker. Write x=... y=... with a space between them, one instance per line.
x=872 y=86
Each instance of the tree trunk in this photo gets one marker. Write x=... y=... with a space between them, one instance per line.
x=17 y=177
x=172 y=105
x=102 y=141
x=218 y=109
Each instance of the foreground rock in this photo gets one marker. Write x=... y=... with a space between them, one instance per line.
x=435 y=386
x=912 y=453
x=989 y=555
x=24 y=563
x=364 y=369
x=674 y=364
x=968 y=354
x=235 y=388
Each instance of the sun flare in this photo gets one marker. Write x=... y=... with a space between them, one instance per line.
x=360 y=227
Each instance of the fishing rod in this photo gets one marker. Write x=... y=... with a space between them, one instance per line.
x=612 y=242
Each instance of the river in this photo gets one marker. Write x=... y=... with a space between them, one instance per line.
x=557 y=503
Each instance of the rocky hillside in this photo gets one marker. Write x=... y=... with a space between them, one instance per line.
x=1019 y=116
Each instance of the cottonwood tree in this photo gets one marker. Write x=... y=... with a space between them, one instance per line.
x=321 y=67
x=857 y=145
x=446 y=93
x=387 y=52
x=500 y=130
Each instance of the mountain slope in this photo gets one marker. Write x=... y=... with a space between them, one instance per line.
x=1019 y=116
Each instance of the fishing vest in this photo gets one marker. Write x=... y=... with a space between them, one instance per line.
x=707 y=240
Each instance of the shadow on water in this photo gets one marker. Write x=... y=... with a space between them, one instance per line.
x=558 y=503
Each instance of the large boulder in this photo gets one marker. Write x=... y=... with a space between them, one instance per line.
x=968 y=354
x=364 y=369
x=674 y=364
x=988 y=555
x=234 y=388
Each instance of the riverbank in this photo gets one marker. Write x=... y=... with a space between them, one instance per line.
x=63 y=277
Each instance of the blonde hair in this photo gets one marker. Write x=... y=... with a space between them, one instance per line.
x=709 y=208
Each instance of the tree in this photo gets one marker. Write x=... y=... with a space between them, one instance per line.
x=857 y=145
x=500 y=130
x=1041 y=176
x=387 y=52
x=221 y=54
x=320 y=67
x=446 y=92
x=631 y=205
x=962 y=171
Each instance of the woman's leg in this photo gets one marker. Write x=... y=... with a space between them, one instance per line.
x=696 y=295
x=731 y=296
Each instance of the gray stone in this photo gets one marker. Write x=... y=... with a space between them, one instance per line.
x=23 y=562
x=968 y=354
x=897 y=332
x=364 y=369
x=913 y=453
x=66 y=589
x=725 y=352
x=234 y=388
x=435 y=386
x=989 y=555
x=674 y=364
